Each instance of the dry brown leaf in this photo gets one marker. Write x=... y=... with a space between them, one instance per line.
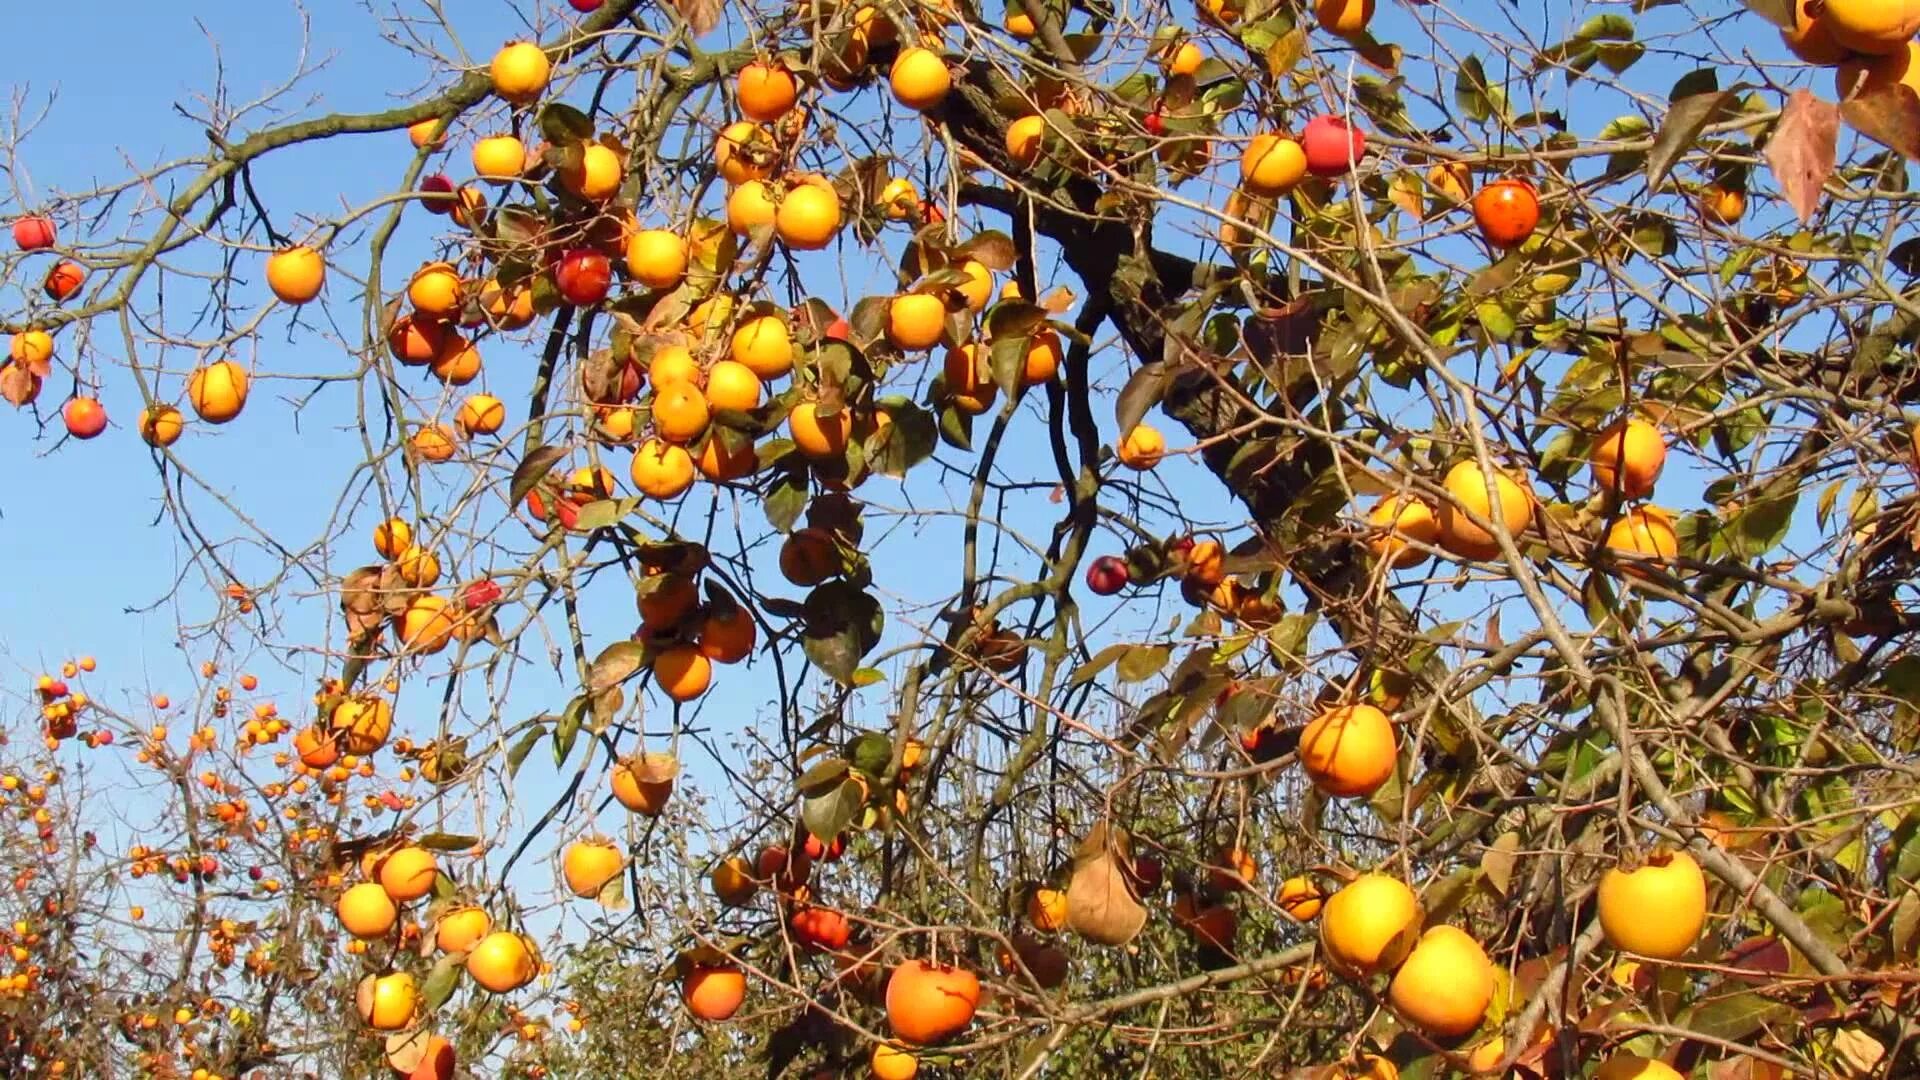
x=18 y=385
x=1497 y=862
x=1801 y=150
x=407 y=1049
x=701 y=15
x=1100 y=903
x=1889 y=116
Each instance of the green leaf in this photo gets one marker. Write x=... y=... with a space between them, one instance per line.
x=1683 y=125
x=1761 y=525
x=562 y=124
x=956 y=428
x=785 y=499
x=1735 y=1018
x=1470 y=91
x=1608 y=27
x=532 y=469
x=568 y=729
x=842 y=624
x=1495 y=319
x=601 y=513
x=521 y=749
x=906 y=442
x=823 y=777
x=440 y=981
x=1008 y=361
x=440 y=841
x=827 y=815
x=615 y=664
x=1141 y=662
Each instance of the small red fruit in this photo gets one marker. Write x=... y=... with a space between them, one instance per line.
x=480 y=594
x=1506 y=211
x=1107 y=575
x=1332 y=145
x=584 y=276
x=586 y=6
x=64 y=280
x=1155 y=123
x=1147 y=874
x=439 y=191
x=85 y=418
x=33 y=233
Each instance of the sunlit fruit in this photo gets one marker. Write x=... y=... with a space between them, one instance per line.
x=1348 y=751
x=1332 y=146
x=682 y=672
x=1872 y=26
x=1628 y=457
x=1369 y=925
x=583 y=277
x=1397 y=523
x=644 y=783
x=1471 y=491
x=1142 y=448
x=33 y=348
x=928 y=1003
x=657 y=258
x=505 y=307
x=742 y=152
x=408 y=873
x=1644 y=532
x=366 y=911
x=502 y=962
x=387 y=1002
x=662 y=470
x=732 y=385
x=1272 y=165
x=432 y=443
x=1184 y=59
x=919 y=78
x=808 y=217
x=1343 y=17
x=416 y=341
x=499 y=158
x=481 y=414
x=899 y=200
x=1635 y=1067
x=436 y=291
x=427 y=625
x=763 y=344
x=520 y=72
x=84 y=417
x=1299 y=898
x=915 y=321
x=461 y=928
x=750 y=206
x=713 y=992
x=1043 y=358
x=425 y=133
x=63 y=281
x=34 y=233
x=820 y=929
x=218 y=391
x=296 y=274
x=1025 y=138
x=597 y=175
x=817 y=435
x=1656 y=910
x=1722 y=205
x=1810 y=39
x=766 y=90
x=161 y=425
x=457 y=363
x=1445 y=984
x=1506 y=212
x=1107 y=575
x=969 y=390
x=362 y=723
x=588 y=865
x=671 y=364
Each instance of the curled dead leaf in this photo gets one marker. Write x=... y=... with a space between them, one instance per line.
x=1100 y=903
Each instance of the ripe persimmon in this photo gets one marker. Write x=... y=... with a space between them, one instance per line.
x=733 y=385
x=928 y=1003
x=387 y=1002
x=296 y=274
x=481 y=414
x=968 y=389
x=643 y=783
x=408 y=873
x=502 y=962
x=1142 y=448
x=1628 y=457
x=680 y=412
x=218 y=391
x=366 y=911
x=915 y=321
x=766 y=90
x=763 y=345
x=750 y=206
x=741 y=152
x=808 y=217
x=1471 y=491
x=1025 y=138
x=1445 y=984
x=520 y=72
x=682 y=672
x=919 y=78
x=1272 y=165
x=427 y=625
x=657 y=258
x=662 y=470
x=728 y=636
x=1657 y=909
x=588 y=865
x=713 y=992
x=816 y=436
x=1646 y=532
x=733 y=881
x=1506 y=211
x=499 y=158
x=1299 y=898
x=1369 y=925
x=461 y=928
x=1399 y=521
x=1348 y=751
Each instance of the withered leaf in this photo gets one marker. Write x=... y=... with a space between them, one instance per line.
x=1801 y=150
x=1100 y=903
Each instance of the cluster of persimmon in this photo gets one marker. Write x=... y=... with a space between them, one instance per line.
x=1625 y=462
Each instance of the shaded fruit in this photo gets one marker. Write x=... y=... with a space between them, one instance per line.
x=1300 y=898
x=1398 y=522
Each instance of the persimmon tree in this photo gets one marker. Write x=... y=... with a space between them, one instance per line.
x=1284 y=537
